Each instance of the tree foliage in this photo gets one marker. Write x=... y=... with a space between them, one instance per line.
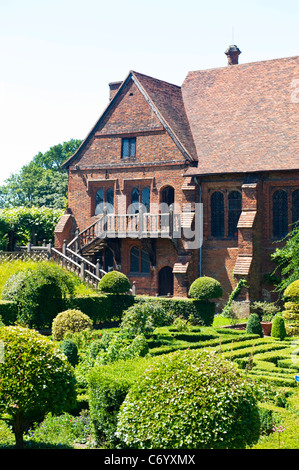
x=287 y=260
x=18 y=225
x=35 y=378
x=41 y=182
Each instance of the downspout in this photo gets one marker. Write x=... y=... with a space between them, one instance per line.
x=200 y=247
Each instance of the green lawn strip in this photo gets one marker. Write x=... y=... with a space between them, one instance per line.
x=288 y=418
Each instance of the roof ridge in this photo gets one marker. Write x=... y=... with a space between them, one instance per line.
x=242 y=65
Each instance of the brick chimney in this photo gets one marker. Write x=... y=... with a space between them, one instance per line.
x=232 y=53
x=113 y=86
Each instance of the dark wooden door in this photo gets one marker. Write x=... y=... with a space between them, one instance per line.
x=166 y=281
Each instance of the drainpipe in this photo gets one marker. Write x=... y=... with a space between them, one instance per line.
x=200 y=248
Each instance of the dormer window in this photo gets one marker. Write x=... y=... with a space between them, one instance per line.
x=128 y=148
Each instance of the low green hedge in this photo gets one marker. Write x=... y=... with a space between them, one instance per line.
x=103 y=308
x=8 y=312
x=200 y=310
x=108 y=386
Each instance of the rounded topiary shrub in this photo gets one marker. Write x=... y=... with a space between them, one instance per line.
x=189 y=399
x=254 y=325
x=40 y=292
x=291 y=309
x=114 y=282
x=71 y=320
x=278 y=329
x=36 y=379
x=205 y=288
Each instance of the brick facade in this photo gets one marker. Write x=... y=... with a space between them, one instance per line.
x=172 y=150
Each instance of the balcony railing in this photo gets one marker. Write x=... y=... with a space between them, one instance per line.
x=139 y=225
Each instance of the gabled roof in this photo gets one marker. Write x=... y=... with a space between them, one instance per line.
x=244 y=118
x=166 y=102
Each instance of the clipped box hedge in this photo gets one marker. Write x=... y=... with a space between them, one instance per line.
x=8 y=312
x=102 y=308
x=108 y=386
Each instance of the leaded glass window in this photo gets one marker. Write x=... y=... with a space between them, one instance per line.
x=280 y=213
x=217 y=214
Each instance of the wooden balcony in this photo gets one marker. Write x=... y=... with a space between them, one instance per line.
x=139 y=225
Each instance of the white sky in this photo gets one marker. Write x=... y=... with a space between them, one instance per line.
x=58 y=56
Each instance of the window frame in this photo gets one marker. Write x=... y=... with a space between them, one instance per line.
x=223 y=214
x=104 y=200
x=131 y=142
x=141 y=252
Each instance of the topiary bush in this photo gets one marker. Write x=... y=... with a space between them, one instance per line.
x=278 y=329
x=70 y=349
x=70 y=320
x=205 y=288
x=40 y=292
x=291 y=309
x=254 y=325
x=189 y=400
x=36 y=379
x=114 y=282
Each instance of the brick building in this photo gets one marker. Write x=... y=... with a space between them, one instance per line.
x=221 y=149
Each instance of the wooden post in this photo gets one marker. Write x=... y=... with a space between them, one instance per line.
x=82 y=271
x=29 y=247
x=77 y=242
x=49 y=249
x=98 y=268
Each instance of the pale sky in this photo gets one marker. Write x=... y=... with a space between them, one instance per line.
x=58 y=56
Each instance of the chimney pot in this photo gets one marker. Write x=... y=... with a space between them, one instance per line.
x=233 y=53
x=113 y=87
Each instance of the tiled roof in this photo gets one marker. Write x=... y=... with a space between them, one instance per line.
x=244 y=118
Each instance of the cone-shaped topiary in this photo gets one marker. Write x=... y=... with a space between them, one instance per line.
x=204 y=288
x=292 y=292
x=291 y=311
x=278 y=329
x=114 y=282
x=254 y=325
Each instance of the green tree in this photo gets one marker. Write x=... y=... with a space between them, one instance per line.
x=41 y=182
x=18 y=225
x=35 y=379
x=287 y=260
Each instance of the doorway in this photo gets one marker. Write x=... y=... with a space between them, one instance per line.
x=165 y=281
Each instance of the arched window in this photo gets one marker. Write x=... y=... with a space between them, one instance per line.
x=139 y=260
x=167 y=196
x=99 y=202
x=135 y=200
x=295 y=207
x=145 y=198
x=217 y=214
x=104 y=200
x=280 y=213
x=234 y=212
x=110 y=200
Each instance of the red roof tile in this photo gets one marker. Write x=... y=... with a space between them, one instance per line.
x=244 y=118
